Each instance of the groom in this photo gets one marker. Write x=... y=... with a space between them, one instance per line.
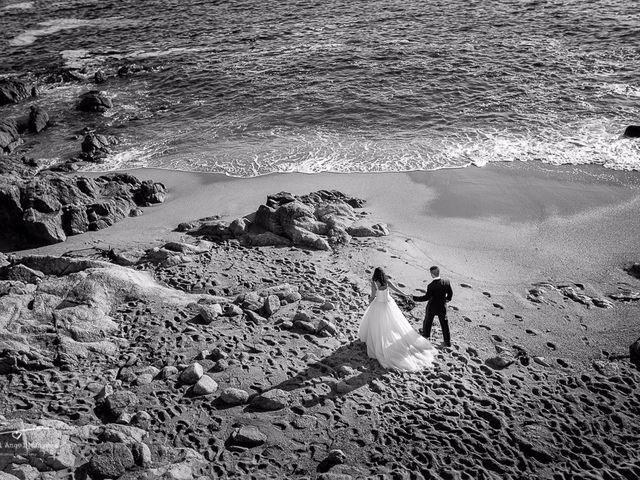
x=438 y=294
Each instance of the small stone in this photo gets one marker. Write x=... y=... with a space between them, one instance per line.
x=168 y=372
x=248 y=436
x=141 y=419
x=124 y=418
x=203 y=355
x=205 y=386
x=111 y=461
x=191 y=374
x=231 y=310
x=541 y=361
x=336 y=457
x=326 y=326
x=306 y=327
x=141 y=454
x=255 y=318
x=119 y=402
x=144 y=379
x=499 y=362
x=234 y=396
x=221 y=365
x=209 y=313
x=271 y=305
x=275 y=399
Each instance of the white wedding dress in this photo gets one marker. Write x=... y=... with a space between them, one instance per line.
x=391 y=339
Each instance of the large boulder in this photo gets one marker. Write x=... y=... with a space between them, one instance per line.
x=44 y=228
x=111 y=460
x=94 y=101
x=9 y=136
x=14 y=91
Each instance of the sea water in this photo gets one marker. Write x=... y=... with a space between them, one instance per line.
x=252 y=87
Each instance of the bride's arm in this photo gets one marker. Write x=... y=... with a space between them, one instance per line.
x=395 y=289
x=372 y=295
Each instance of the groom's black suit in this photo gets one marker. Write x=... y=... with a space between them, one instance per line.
x=438 y=294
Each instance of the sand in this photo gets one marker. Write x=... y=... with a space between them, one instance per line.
x=533 y=253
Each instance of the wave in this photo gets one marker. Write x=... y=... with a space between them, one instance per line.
x=51 y=27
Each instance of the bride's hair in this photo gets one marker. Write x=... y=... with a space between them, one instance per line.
x=380 y=277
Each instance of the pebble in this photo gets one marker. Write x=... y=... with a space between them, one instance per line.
x=168 y=372
x=234 y=396
x=248 y=436
x=275 y=399
x=205 y=386
x=328 y=306
x=209 y=313
x=191 y=374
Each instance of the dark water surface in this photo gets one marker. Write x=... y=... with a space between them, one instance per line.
x=252 y=87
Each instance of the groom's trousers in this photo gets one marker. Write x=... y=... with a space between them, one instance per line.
x=444 y=323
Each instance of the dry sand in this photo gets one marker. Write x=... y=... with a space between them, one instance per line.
x=532 y=252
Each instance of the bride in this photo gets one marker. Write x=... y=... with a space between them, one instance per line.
x=388 y=335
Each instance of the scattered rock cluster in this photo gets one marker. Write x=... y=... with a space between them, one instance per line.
x=320 y=221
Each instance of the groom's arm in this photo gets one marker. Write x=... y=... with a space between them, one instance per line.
x=422 y=298
x=449 y=292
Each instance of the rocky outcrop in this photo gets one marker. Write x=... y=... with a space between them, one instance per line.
x=320 y=221
x=9 y=136
x=14 y=91
x=46 y=209
x=94 y=101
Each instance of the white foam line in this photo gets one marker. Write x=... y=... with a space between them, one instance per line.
x=53 y=26
x=19 y=6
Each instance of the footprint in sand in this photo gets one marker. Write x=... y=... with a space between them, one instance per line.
x=497 y=338
x=466 y=319
x=485 y=327
x=486 y=294
x=551 y=346
x=531 y=332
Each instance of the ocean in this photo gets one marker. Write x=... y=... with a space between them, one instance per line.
x=250 y=87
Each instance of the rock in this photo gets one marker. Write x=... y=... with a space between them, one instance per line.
x=141 y=419
x=306 y=327
x=99 y=77
x=45 y=446
x=38 y=119
x=234 y=396
x=499 y=362
x=336 y=457
x=327 y=326
x=271 y=305
x=541 y=361
x=149 y=193
x=22 y=273
x=248 y=436
x=14 y=91
x=95 y=147
x=231 y=310
x=141 y=454
x=634 y=352
x=122 y=434
x=239 y=227
x=111 y=461
x=44 y=228
x=632 y=131
x=168 y=372
x=9 y=136
x=205 y=386
x=191 y=374
x=265 y=239
x=209 y=313
x=120 y=402
x=94 y=101
x=361 y=229
x=275 y=399
x=255 y=318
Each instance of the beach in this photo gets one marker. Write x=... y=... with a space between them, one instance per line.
x=194 y=197
x=538 y=381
